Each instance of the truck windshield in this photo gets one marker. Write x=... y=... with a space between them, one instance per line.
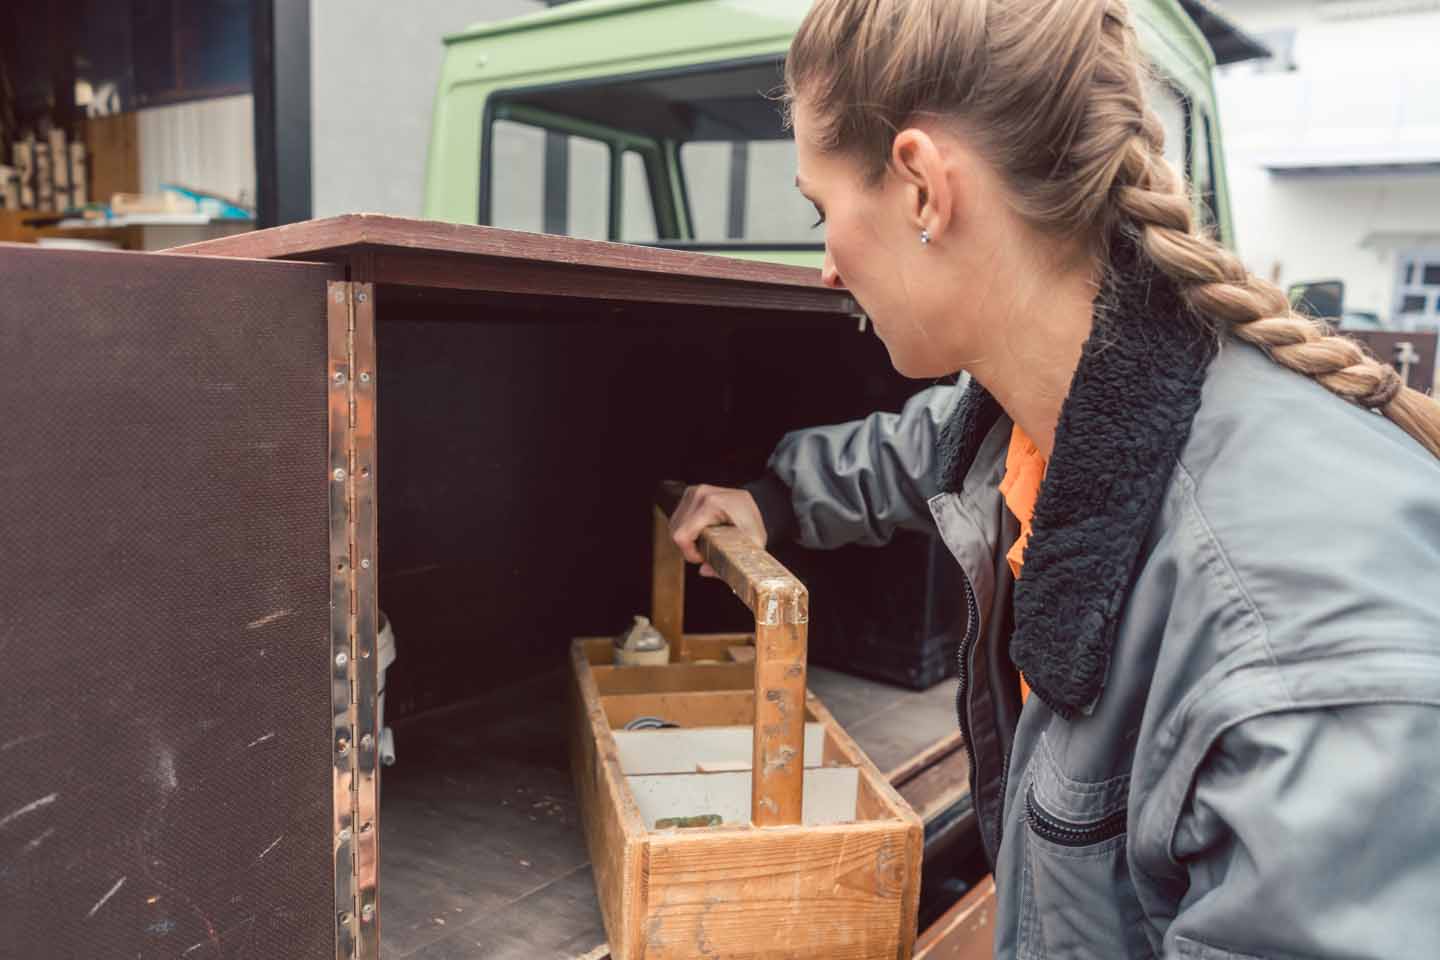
x=698 y=155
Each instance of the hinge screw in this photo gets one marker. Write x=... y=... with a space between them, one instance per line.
x=360 y=296
x=342 y=746
x=339 y=377
x=342 y=658
x=367 y=912
x=364 y=377
x=366 y=742
x=339 y=474
x=345 y=835
x=365 y=564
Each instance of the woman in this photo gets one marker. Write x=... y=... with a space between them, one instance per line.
x=1204 y=532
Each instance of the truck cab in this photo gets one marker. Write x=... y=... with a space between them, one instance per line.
x=657 y=122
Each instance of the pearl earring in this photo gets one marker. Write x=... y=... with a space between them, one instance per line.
x=925 y=237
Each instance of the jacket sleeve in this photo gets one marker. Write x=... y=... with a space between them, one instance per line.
x=1314 y=833
x=857 y=482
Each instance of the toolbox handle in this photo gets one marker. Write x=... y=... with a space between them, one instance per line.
x=781 y=605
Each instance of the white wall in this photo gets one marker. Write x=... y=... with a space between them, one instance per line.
x=204 y=144
x=1362 y=93
x=375 y=65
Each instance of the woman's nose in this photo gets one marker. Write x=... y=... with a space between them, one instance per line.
x=829 y=275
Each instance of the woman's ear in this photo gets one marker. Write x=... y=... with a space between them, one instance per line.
x=929 y=196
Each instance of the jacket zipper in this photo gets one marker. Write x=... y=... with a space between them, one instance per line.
x=1067 y=834
x=972 y=627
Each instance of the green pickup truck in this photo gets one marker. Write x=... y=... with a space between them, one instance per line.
x=654 y=122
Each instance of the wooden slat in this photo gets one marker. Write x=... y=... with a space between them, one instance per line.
x=926 y=758
x=779 y=776
x=834 y=892
x=667 y=585
x=674 y=678
x=600 y=651
x=614 y=830
x=717 y=646
x=708 y=708
x=966 y=931
x=940 y=787
x=878 y=797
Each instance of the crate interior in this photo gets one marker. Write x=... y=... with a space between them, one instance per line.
x=695 y=769
x=520 y=441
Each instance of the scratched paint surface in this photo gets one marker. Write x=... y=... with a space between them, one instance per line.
x=164 y=730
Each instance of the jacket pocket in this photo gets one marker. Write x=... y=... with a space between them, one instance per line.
x=1188 y=949
x=1078 y=899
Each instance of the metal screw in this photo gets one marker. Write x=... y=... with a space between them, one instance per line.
x=366 y=827
x=345 y=835
x=342 y=746
x=366 y=742
x=339 y=376
x=364 y=377
x=365 y=564
x=360 y=297
x=342 y=658
x=367 y=912
x=345 y=919
x=339 y=474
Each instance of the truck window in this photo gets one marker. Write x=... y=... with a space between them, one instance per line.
x=1166 y=101
x=743 y=191
x=553 y=182
x=704 y=155
x=637 y=218
x=1187 y=143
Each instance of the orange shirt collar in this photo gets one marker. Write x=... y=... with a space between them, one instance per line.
x=1024 y=472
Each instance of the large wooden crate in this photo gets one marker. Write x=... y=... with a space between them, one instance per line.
x=817 y=855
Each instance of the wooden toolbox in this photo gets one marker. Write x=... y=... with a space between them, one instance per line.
x=814 y=855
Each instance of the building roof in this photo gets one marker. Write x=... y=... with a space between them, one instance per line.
x=1230 y=43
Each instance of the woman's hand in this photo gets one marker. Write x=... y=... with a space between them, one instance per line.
x=706 y=506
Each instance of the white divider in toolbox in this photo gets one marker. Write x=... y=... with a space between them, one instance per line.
x=831 y=796
x=701 y=749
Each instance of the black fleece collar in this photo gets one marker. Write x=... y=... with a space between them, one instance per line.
x=1121 y=430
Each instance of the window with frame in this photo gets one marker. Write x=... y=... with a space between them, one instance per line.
x=1417 y=290
x=556 y=183
x=703 y=154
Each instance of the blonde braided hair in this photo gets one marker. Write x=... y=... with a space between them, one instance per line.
x=1052 y=92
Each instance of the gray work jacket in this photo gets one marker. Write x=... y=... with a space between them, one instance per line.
x=1229 y=616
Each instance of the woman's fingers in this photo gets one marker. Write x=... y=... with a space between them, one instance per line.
x=706 y=506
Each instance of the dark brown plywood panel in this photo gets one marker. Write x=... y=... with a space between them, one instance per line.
x=164 y=608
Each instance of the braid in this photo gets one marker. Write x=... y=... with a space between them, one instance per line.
x=1149 y=198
